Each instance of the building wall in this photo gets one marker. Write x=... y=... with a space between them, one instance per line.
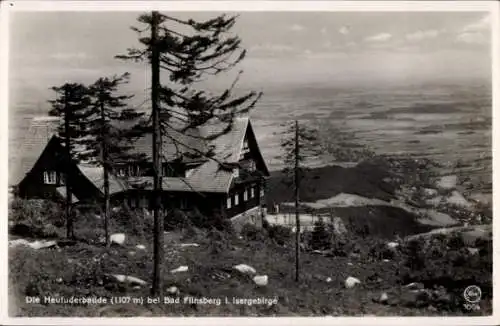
x=242 y=205
x=205 y=203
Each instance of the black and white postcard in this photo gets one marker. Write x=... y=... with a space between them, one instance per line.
x=249 y=159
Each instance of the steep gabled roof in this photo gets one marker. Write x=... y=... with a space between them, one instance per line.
x=36 y=139
x=95 y=175
x=190 y=142
x=210 y=176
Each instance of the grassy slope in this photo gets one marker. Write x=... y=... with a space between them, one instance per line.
x=81 y=269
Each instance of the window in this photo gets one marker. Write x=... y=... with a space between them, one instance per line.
x=262 y=192
x=228 y=202
x=251 y=166
x=183 y=203
x=245 y=195
x=236 y=200
x=236 y=173
x=121 y=172
x=62 y=179
x=252 y=192
x=133 y=202
x=133 y=170
x=50 y=177
x=144 y=202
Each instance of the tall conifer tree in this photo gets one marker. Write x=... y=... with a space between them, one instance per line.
x=187 y=52
x=71 y=104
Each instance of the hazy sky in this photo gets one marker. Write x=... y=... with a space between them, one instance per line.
x=337 y=47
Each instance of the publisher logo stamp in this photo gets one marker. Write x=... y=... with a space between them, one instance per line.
x=472 y=294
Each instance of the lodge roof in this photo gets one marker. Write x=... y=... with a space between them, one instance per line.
x=36 y=139
x=209 y=176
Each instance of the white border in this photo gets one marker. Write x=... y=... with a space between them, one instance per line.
x=277 y=5
x=226 y=6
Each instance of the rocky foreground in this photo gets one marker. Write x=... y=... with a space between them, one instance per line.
x=403 y=244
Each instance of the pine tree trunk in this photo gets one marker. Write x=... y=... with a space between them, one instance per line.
x=69 y=217
x=106 y=205
x=157 y=167
x=297 y=217
x=105 y=165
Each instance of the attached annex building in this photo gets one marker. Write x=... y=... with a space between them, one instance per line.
x=231 y=182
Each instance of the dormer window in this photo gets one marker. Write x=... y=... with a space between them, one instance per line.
x=236 y=173
x=50 y=177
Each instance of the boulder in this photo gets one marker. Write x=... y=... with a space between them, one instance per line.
x=328 y=280
x=473 y=251
x=245 y=269
x=414 y=286
x=383 y=298
x=18 y=242
x=127 y=279
x=118 y=238
x=179 y=269
x=351 y=282
x=172 y=290
x=42 y=244
x=33 y=245
x=189 y=245
x=392 y=245
x=141 y=247
x=260 y=280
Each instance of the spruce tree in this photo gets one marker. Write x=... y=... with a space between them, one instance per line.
x=71 y=104
x=306 y=137
x=298 y=144
x=187 y=51
x=109 y=133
